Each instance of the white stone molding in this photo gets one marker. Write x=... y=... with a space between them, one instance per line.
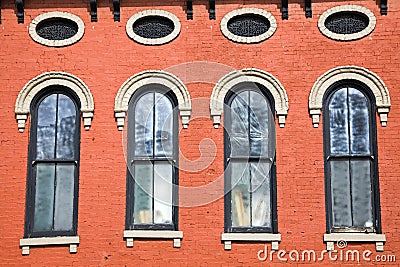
x=347 y=37
x=44 y=80
x=342 y=238
x=363 y=75
x=130 y=235
x=151 y=13
x=55 y=15
x=243 y=11
x=249 y=75
x=72 y=241
x=135 y=82
x=227 y=238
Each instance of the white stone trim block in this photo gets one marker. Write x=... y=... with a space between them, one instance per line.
x=130 y=235
x=72 y=241
x=347 y=8
x=243 y=11
x=57 y=43
x=227 y=238
x=363 y=75
x=135 y=82
x=333 y=238
x=44 y=80
x=157 y=41
x=233 y=78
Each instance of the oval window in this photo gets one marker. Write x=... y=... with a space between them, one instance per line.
x=56 y=29
x=153 y=27
x=248 y=25
x=345 y=23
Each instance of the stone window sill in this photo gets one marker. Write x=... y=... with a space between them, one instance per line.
x=130 y=235
x=72 y=241
x=250 y=237
x=330 y=239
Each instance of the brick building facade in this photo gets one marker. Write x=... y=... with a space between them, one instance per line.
x=297 y=64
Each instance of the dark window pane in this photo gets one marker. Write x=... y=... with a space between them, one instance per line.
x=44 y=197
x=163 y=126
x=64 y=200
x=338 y=119
x=361 y=193
x=359 y=122
x=259 y=122
x=260 y=188
x=239 y=134
x=46 y=128
x=144 y=125
x=240 y=184
x=66 y=128
x=340 y=190
x=162 y=192
x=143 y=204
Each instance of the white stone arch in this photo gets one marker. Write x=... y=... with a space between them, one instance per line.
x=135 y=82
x=249 y=75
x=363 y=75
x=44 y=80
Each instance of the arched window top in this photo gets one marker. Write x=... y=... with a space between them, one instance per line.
x=350 y=73
x=250 y=75
x=46 y=80
x=154 y=77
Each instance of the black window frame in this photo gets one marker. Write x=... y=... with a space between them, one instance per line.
x=130 y=181
x=231 y=94
x=32 y=148
x=375 y=195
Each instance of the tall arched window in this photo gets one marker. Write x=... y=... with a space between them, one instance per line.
x=250 y=199
x=152 y=159
x=352 y=190
x=53 y=167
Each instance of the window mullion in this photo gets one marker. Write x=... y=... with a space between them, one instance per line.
x=55 y=164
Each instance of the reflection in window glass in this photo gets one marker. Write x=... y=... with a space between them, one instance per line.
x=250 y=155
x=350 y=160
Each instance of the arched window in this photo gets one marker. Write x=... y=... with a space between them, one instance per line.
x=152 y=160
x=352 y=193
x=250 y=199
x=53 y=167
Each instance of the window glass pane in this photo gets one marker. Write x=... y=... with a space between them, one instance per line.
x=64 y=200
x=240 y=194
x=338 y=119
x=340 y=190
x=359 y=122
x=162 y=192
x=45 y=142
x=44 y=197
x=66 y=128
x=261 y=194
x=143 y=204
x=163 y=126
x=144 y=125
x=361 y=192
x=239 y=134
x=259 y=123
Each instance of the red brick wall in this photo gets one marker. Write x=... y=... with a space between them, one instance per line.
x=297 y=54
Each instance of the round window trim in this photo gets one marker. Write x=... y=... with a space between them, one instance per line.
x=153 y=13
x=248 y=11
x=56 y=15
x=347 y=8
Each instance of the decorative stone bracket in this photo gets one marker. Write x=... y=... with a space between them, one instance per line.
x=130 y=235
x=340 y=238
x=227 y=238
x=72 y=241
